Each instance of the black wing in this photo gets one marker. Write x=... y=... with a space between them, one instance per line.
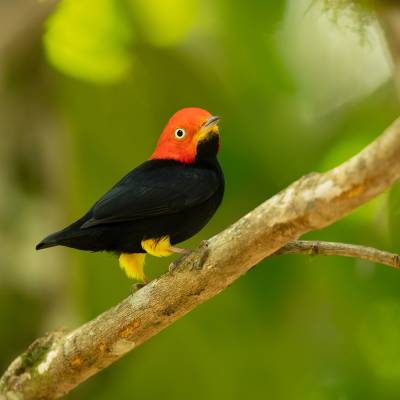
x=157 y=187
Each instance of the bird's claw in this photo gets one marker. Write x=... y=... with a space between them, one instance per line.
x=174 y=265
x=137 y=286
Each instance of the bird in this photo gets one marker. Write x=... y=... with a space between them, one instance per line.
x=162 y=202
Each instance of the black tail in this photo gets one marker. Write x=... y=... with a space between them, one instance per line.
x=49 y=241
x=62 y=238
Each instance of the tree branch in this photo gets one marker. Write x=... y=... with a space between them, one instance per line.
x=320 y=248
x=57 y=363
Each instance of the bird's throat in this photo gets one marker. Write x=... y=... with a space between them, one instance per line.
x=207 y=148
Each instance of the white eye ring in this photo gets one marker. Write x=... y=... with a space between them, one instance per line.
x=180 y=133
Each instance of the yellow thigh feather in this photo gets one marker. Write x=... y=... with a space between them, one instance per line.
x=157 y=247
x=132 y=264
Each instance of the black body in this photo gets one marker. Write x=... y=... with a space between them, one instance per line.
x=156 y=199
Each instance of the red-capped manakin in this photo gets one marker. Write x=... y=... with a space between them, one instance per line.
x=162 y=202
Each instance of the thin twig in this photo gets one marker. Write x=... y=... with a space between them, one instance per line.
x=321 y=248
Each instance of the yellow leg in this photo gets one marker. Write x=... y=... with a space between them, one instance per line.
x=160 y=247
x=132 y=264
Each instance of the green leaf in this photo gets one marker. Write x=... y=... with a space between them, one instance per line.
x=90 y=40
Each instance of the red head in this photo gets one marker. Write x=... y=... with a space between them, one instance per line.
x=182 y=134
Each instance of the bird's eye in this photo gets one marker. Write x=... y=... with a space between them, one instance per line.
x=180 y=133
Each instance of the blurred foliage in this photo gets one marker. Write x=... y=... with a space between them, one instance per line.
x=90 y=39
x=360 y=8
x=160 y=22
x=354 y=14
x=113 y=71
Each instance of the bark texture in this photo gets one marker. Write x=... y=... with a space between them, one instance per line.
x=55 y=364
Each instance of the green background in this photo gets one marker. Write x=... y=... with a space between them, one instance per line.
x=85 y=93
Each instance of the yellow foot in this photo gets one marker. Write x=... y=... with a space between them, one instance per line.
x=132 y=264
